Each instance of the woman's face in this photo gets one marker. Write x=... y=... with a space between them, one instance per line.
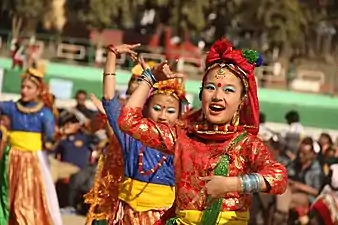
x=163 y=109
x=29 y=90
x=221 y=96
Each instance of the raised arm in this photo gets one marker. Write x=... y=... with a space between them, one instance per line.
x=109 y=68
x=131 y=121
x=110 y=104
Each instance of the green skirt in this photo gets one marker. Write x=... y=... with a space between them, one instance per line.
x=4 y=187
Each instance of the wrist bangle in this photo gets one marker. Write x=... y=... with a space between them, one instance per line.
x=145 y=79
x=108 y=74
x=147 y=73
x=251 y=183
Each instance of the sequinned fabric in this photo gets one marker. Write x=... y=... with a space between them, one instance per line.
x=103 y=197
x=194 y=159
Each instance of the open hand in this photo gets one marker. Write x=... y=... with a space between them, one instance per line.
x=164 y=71
x=128 y=49
x=97 y=103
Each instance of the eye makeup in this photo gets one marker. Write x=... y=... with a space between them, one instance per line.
x=157 y=107
x=210 y=86
x=171 y=110
x=229 y=88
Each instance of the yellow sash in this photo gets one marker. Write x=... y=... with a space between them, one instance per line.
x=25 y=141
x=143 y=196
x=193 y=217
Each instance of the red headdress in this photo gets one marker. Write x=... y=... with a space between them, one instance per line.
x=171 y=87
x=242 y=63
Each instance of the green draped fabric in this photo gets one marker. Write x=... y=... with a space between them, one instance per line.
x=4 y=188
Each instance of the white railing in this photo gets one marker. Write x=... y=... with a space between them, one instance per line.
x=70 y=51
x=308 y=80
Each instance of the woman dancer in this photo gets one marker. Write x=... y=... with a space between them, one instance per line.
x=31 y=192
x=219 y=160
x=103 y=197
x=146 y=190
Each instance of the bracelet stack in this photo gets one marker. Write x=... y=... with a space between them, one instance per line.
x=250 y=183
x=148 y=77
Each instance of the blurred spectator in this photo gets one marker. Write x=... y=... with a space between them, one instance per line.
x=264 y=133
x=81 y=97
x=325 y=142
x=305 y=181
x=75 y=147
x=293 y=134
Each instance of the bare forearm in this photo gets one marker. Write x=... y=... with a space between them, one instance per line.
x=310 y=190
x=139 y=97
x=109 y=80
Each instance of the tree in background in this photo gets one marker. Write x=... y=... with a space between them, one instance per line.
x=25 y=14
x=55 y=16
x=104 y=14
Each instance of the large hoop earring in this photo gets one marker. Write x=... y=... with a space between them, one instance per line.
x=235 y=119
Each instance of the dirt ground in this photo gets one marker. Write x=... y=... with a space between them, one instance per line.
x=73 y=220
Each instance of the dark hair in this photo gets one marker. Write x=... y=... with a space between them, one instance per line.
x=308 y=141
x=292 y=116
x=326 y=135
x=262 y=118
x=79 y=92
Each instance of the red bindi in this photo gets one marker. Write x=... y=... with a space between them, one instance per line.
x=219 y=85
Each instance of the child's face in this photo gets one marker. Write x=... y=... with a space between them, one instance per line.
x=73 y=127
x=163 y=109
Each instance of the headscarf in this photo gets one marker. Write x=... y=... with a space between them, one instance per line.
x=241 y=63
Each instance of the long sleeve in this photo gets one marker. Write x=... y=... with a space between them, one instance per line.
x=112 y=108
x=155 y=135
x=6 y=107
x=48 y=125
x=263 y=162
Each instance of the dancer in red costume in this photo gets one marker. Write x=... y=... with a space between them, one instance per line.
x=219 y=160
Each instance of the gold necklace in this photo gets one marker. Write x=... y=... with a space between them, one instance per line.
x=29 y=110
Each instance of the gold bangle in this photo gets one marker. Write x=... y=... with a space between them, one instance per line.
x=109 y=74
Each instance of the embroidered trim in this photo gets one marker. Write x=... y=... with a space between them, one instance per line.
x=28 y=110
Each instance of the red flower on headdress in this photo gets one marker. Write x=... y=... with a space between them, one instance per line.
x=223 y=51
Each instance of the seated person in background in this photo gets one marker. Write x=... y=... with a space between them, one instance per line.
x=327 y=159
x=82 y=181
x=293 y=134
x=305 y=181
x=75 y=147
x=324 y=210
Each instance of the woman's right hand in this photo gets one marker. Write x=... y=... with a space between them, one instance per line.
x=162 y=71
x=128 y=49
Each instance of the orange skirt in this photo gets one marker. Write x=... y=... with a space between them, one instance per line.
x=127 y=216
x=32 y=195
